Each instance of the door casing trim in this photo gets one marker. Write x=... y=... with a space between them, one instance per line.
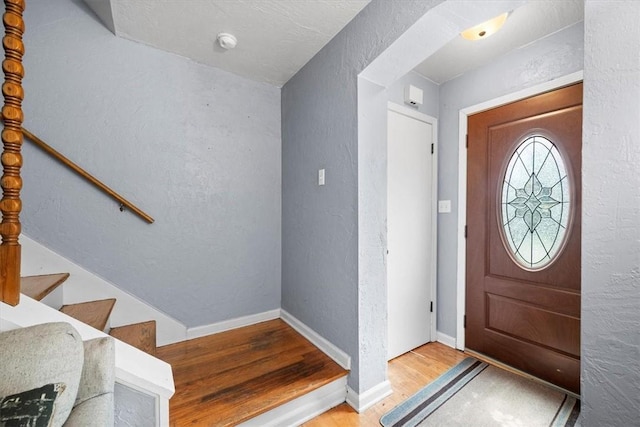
x=462 y=180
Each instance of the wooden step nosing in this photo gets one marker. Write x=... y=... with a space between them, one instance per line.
x=302 y=408
x=61 y=278
x=105 y=312
x=112 y=300
x=132 y=324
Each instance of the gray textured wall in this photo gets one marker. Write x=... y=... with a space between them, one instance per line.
x=611 y=215
x=552 y=57
x=133 y=408
x=197 y=148
x=320 y=224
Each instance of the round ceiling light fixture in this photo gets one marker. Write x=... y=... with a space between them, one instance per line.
x=487 y=28
x=227 y=41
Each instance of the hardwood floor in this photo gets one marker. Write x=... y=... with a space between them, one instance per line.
x=407 y=373
x=228 y=378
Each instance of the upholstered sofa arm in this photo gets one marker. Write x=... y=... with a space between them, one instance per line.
x=51 y=353
x=94 y=402
x=53 y=356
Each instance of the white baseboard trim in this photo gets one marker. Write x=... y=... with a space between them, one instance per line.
x=303 y=408
x=83 y=285
x=339 y=356
x=227 y=325
x=446 y=339
x=361 y=402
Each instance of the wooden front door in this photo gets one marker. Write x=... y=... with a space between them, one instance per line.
x=523 y=235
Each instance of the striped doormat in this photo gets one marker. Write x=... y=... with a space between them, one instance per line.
x=474 y=393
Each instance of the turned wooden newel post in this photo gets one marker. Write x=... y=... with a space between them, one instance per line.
x=11 y=183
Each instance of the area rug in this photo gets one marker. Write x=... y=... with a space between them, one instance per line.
x=474 y=393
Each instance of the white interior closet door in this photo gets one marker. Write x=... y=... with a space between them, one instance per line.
x=411 y=229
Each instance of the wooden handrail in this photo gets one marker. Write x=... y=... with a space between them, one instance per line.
x=11 y=183
x=86 y=175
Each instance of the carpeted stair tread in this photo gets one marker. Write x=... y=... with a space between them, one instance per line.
x=140 y=335
x=93 y=313
x=38 y=287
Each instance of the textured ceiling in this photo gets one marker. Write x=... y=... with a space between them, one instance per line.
x=275 y=37
x=532 y=21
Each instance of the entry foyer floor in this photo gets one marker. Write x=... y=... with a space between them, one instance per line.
x=407 y=374
x=228 y=378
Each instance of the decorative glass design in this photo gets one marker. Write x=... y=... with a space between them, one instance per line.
x=535 y=203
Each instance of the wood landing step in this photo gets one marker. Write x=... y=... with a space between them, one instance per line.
x=38 y=287
x=231 y=377
x=93 y=313
x=140 y=335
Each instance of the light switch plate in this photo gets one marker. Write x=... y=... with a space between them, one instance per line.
x=444 y=206
x=320 y=176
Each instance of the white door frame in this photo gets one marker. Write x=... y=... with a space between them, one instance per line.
x=410 y=112
x=462 y=180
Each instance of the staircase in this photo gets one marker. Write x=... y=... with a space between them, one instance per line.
x=93 y=313
x=136 y=373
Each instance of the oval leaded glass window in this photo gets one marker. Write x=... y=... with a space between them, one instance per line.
x=535 y=203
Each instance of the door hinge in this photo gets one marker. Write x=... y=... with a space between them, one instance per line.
x=467 y=136
x=464 y=321
x=431 y=307
x=431 y=148
x=465 y=231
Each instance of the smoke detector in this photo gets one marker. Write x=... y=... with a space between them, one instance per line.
x=227 y=41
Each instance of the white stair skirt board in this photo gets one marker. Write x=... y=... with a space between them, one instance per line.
x=134 y=368
x=227 y=325
x=303 y=408
x=5 y=325
x=362 y=402
x=83 y=285
x=338 y=356
x=55 y=299
x=446 y=339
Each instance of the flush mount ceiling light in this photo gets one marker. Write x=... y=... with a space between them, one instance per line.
x=487 y=28
x=227 y=41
